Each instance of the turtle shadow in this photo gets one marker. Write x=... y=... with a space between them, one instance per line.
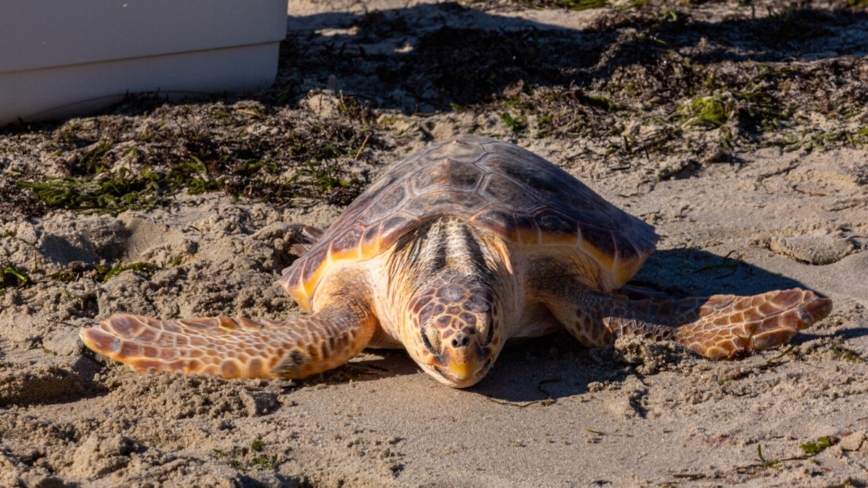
x=532 y=370
x=680 y=273
x=372 y=365
x=543 y=370
x=845 y=334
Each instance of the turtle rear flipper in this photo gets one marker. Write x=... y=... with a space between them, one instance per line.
x=716 y=327
x=234 y=347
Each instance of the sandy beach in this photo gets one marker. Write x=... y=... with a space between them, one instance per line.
x=740 y=131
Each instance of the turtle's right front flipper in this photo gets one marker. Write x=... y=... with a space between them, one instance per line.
x=719 y=326
x=725 y=326
x=236 y=348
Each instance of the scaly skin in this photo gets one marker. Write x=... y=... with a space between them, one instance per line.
x=453 y=308
x=715 y=327
x=729 y=326
x=235 y=348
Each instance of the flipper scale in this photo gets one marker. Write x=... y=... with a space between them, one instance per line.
x=234 y=348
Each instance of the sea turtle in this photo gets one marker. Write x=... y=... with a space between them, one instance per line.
x=455 y=250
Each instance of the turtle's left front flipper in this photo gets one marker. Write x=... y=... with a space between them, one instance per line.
x=236 y=347
x=720 y=326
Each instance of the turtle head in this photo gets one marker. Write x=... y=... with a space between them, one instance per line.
x=456 y=334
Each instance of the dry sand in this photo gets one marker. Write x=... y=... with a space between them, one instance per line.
x=551 y=413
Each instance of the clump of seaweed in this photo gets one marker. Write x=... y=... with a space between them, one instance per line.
x=567 y=4
x=12 y=277
x=818 y=446
x=309 y=163
x=101 y=272
x=258 y=461
x=750 y=110
x=105 y=273
x=517 y=124
x=107 y=192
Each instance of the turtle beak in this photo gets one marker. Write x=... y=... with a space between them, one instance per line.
x=463 y=371
x=463 y=368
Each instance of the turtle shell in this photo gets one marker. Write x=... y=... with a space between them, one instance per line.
x=496 y=185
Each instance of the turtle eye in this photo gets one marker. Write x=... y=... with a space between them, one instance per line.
x=431 y=340
x=490 y=333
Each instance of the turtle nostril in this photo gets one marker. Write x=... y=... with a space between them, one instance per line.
x=461 y=341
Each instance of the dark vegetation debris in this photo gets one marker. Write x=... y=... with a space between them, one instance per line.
x=644 y=79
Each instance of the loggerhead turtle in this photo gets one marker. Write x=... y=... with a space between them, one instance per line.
x=455 y=250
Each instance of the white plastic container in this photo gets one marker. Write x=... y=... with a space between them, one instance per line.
x=65 y=57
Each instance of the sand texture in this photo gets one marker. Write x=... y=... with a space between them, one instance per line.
x=740 y=132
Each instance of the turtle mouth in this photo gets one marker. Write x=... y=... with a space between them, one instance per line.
x=441 y=373
x=456 y=382
x=462 y=380
x=487 y=366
